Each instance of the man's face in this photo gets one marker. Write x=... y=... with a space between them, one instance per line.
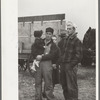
x=70 y=30
x=49 y=35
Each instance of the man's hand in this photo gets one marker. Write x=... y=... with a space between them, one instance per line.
x=54 y=66
x=39 y=57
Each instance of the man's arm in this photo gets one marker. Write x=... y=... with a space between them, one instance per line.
x=78 y=53
x=51 y=54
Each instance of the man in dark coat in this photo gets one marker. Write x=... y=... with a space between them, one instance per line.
x=71 y=56
x=45 y=70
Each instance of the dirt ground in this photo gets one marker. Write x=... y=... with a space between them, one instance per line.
x=86 y=84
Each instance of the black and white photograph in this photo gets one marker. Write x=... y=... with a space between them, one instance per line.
x=56 y=51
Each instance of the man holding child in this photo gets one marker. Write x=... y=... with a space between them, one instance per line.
x=47 y=60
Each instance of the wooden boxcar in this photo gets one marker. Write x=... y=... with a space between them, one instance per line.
x=26 y=28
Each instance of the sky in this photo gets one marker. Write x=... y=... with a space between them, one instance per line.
x=80 y=12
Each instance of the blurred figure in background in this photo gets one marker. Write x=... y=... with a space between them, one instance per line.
x=55 y=74
x=54 y=38
x=63 y=36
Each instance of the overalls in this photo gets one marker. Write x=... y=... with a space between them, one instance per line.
x=44 y=72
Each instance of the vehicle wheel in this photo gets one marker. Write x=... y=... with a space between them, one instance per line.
x=22 y=66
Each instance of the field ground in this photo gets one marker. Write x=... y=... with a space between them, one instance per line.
x=86 y=84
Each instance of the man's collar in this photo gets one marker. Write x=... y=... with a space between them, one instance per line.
x=72 y=35
x=47 y=42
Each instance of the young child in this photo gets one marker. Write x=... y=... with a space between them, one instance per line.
x=37 y=48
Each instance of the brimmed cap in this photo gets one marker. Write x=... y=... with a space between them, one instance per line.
x=49 y=29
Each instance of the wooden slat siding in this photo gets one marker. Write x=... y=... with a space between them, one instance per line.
x=42 y=18
x=30 y=34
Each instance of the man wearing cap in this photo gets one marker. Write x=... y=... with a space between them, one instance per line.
x=45 y=70
x=71 y=56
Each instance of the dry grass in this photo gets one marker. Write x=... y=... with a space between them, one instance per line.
x=86 y=84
